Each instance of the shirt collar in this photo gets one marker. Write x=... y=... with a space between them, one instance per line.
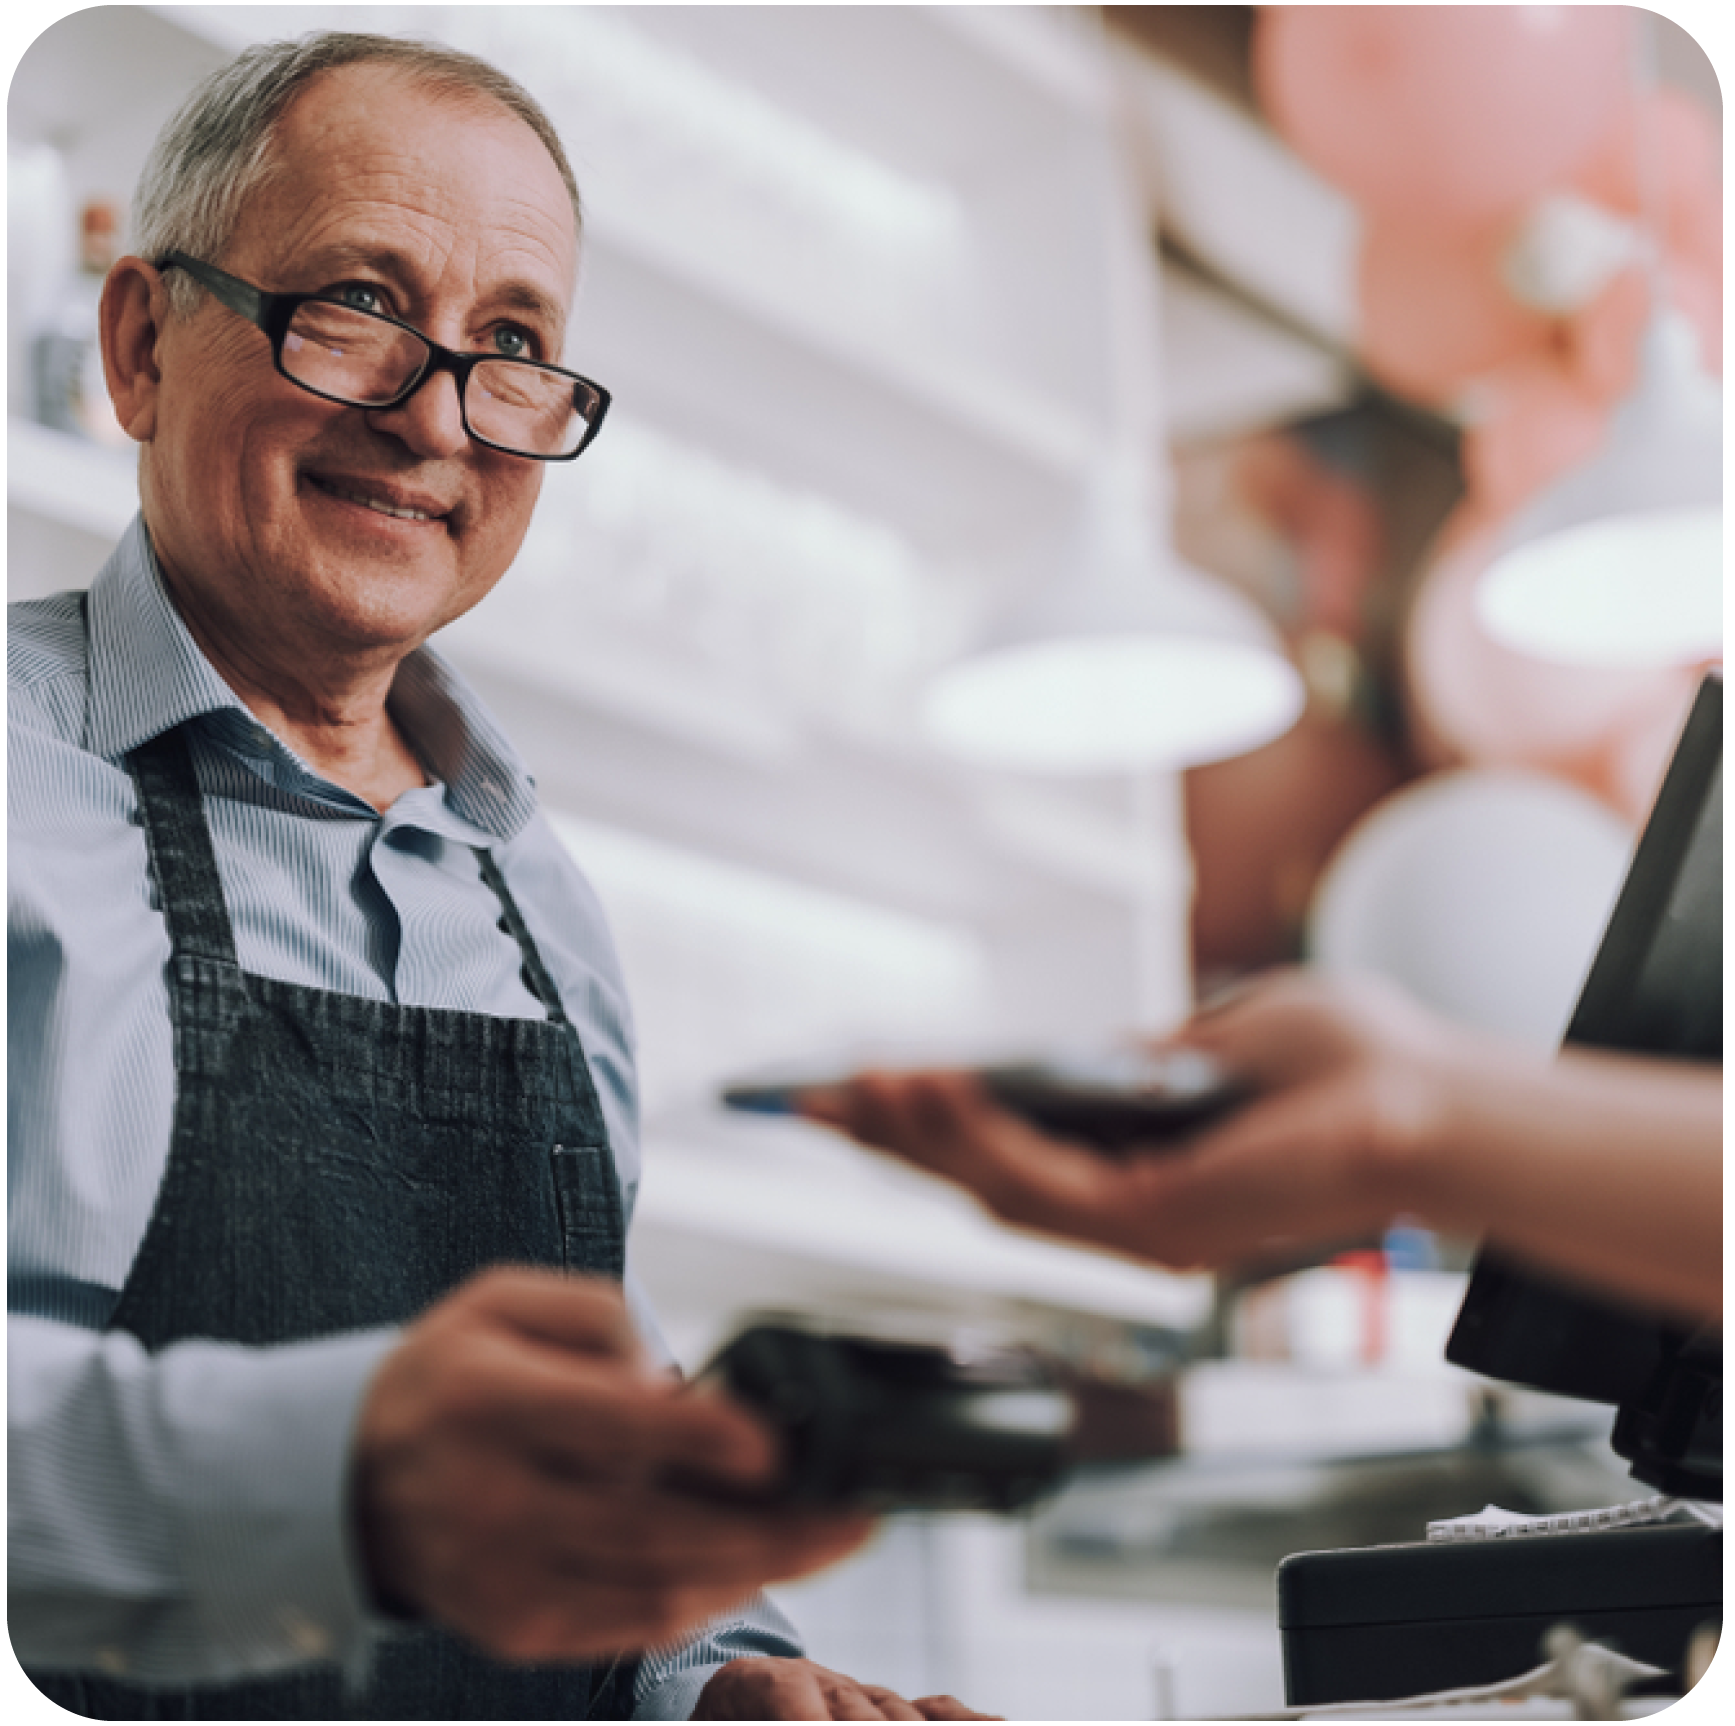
x=147 y=676
x=146 y=673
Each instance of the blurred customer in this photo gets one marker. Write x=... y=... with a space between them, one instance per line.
x=1604 y=1169
x=325 y=1397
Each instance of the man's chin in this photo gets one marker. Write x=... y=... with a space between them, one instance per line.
x=381 y=606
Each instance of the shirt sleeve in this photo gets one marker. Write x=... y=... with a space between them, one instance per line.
x=670 y=1679
x=179 y=1518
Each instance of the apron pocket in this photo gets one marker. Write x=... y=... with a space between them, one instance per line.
x=592 y=1234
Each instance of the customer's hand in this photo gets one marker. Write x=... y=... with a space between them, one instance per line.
x=1346 y=1082
x=512 y=1480
x=801 y=1690
x=1599 y=1167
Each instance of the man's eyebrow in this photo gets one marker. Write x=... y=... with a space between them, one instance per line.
x=524 y=297
x=392 y=265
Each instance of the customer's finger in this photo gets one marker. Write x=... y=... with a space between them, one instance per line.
x=947 y=1123
x=1282 y=1169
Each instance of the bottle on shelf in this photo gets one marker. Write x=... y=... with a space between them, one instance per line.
x=71 y=395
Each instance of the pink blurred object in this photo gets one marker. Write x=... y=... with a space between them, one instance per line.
x=1684 y=137
x=1434 y=310
x=1690 y=210
x=1451 y=114
x=1535 y=419
x=1607 y=730
x=1603 y=340
x=1690 y=199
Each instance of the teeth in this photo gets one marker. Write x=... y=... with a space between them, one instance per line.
x=374 y=503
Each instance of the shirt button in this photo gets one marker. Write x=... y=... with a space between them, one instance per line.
x=313 y=1641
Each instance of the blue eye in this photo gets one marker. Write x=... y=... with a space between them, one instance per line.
x=360 y=297
x=513 y=343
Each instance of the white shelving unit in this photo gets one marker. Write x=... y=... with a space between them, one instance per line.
x=61 y=478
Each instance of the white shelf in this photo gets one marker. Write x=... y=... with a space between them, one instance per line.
x=967 y=467
x=69 y=480
x=1250 y=206
x=1024 y=426
x=603 y=667
x=1048 y=54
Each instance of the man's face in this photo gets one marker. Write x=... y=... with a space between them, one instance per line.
x=446 y=212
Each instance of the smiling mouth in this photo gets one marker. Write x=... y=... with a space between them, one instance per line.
x=399 y=512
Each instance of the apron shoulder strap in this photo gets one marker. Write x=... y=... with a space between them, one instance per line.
x=179 y=842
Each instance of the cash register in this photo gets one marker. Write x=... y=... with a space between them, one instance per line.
x=1375 y=1623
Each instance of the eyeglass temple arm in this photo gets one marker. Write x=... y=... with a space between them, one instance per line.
x=240 y=297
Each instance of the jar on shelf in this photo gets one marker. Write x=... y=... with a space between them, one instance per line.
x=71 y=394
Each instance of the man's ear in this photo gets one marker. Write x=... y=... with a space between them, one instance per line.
x=134 y=307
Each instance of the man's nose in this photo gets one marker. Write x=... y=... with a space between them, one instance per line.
x=429 y=420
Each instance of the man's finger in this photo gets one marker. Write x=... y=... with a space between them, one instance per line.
x=793 y=1692
x=572 y=1312
x=890 y=1704
x=584 y=1414
x=655 y=1535
x=847 y=1700
x=948 y=1708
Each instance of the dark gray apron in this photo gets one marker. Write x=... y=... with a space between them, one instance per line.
x=336 y=1164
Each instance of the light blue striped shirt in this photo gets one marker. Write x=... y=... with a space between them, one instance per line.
x=179 y=1518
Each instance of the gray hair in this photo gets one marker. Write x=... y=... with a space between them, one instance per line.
x=216 y=152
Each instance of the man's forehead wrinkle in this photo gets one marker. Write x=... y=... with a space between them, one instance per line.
x=346 y=149
x=407 y=190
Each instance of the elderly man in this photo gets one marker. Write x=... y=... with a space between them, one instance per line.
x=312 y=1023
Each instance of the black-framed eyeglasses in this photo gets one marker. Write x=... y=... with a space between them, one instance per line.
x=368 y=360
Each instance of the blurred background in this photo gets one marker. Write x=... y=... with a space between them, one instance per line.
x=1057 y=549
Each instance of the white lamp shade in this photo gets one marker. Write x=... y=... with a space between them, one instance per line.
x=1112 y=704
x=1112 y=678
x=1620 y=562
x=1128 y=662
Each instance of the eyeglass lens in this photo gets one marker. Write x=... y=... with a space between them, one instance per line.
x=367 y=362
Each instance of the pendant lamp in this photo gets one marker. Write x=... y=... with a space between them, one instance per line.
x=1130 y=661
x=1126 y=660
x=1621 y=561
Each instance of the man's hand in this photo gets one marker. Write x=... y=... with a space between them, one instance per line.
x=762 y=1689
x=511 y=1480
x=1347 y=1082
